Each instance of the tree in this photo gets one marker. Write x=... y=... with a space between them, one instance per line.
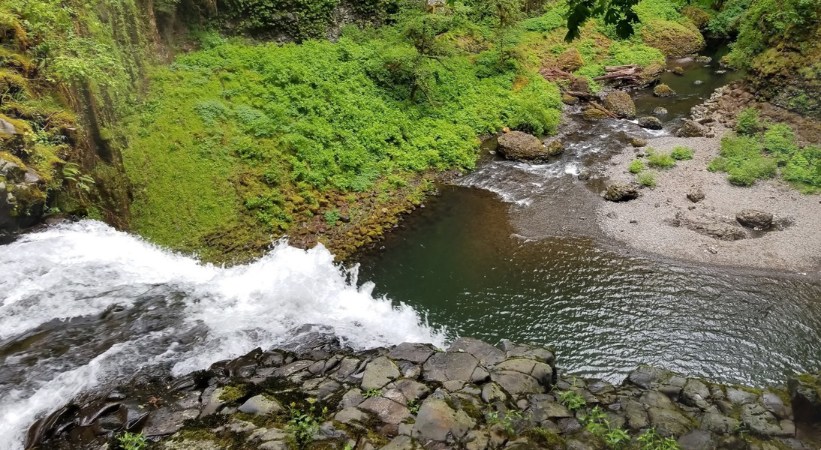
x=614 y=12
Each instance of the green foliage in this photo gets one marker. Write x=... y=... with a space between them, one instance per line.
x=726 y=21
x=774 y=23
x=747 y=122
x=73 y=175
x=646 y=179
x=618 y=13
x=682 y=153
x=572 y=400
x=371 y=393
x=651 y=440
x=507 y=420
x=616 y=438
x=660 y=160
x=804 y=169
x=636 y=166
x=303 y=425
x=779 y=141
x=132 y=441
x=742 y=159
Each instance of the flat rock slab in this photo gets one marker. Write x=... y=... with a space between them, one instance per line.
x=436 y=421
x=378 y=373
x=448 y=366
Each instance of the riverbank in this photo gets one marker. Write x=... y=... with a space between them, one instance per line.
x=320 y=394
x=663 y=220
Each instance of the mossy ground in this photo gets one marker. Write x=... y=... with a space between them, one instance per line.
x=239 y=143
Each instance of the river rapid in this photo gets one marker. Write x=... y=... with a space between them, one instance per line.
x=83 y=305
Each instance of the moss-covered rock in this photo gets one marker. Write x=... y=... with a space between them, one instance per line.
x=621 y=104
x=672 y=38
x=570 y=60
x=698 y=16
x=662 y=90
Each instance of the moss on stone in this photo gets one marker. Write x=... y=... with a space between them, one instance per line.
x=672 y=38
x=232 y=393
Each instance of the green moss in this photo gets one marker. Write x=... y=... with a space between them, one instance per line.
x=672 y=38
x=232 y=393
x=546 y=438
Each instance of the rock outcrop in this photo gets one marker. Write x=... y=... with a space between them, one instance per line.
x=620 y=192
x=520 y=146
x=472 y=396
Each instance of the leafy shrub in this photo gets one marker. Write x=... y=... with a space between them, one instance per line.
x=646 y=179
x=681 y=153
x=747 y=122
x=572 y=400
x=132 y=441
x=660 y=160
x=636 y=166
x=779 y=141
x=804 y=169
x=743 y=161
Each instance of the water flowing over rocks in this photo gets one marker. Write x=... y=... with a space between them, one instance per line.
x=472 y=396
x=518 y=145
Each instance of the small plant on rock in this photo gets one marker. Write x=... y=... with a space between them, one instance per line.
x=413 y=407
x=132 y=441
x=616 y=438
x=507 y=420
x=651 y=440
x=304 y=424
x=370 y=393
x=572 y=400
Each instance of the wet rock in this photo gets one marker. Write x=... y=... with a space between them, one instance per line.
x=485 y=353
x=165 y=421
x=540 y=354
x=718 y=423
x=697 y=440
x=805 y=394
x=662 y=90
x=660 y=111
x=621 y=104
x=554 y=147
x=669 y=422
x=583 y=175
x=695 y=195
x=691 y=128
x=351 y=415
x=516 y=383
x=621 y=192
x=417 y=353
x=436 y=421
x=378 y=373
x=695 y=393
x=755 y=219
x=591 y=113
x=678 y=70
x=650 y=122
x=638 y=142
x=259 y=405
x=388 y=411
x=449 y=366
x=568 y=99
x=517 y=145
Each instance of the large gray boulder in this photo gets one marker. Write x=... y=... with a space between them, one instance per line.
x=755 y=219
x=650 y=122
x=520 y=146
x=621 y=104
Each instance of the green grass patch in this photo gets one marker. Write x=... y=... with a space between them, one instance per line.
x=742 y=159
x=660 y=160
x=636 y=166
x=682 y=153
x=646 y=179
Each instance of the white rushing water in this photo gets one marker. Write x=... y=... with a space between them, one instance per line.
x=71 y=272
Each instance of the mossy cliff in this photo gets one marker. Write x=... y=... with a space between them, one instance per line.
x=413 y=396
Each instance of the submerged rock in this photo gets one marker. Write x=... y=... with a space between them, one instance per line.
x=660 y=111
x=662 y=90
x=650 y=122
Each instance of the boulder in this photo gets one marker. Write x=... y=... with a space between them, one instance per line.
x=695 y=195
x=591 y=113
x=638 y=142
x=805 y=394
x=517 y=145
x=568 y=99
x=691 y=128
x=621 y=192
x=570 y=60
x=650 y=122
x=662 y=90
x=710 y=227
x=755 y=219
x=660 y=111
x=678 y=70
x=554 y=147
x=436 y=421
x=621 y=104
x=259 y=405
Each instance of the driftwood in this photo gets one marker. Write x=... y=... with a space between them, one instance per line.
x=582 y=95
x=552 y=73
x=605 y=111
x=631 y=73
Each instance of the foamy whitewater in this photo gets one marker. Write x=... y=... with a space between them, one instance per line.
x=173 y=309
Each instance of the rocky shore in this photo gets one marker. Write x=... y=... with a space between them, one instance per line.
x=321 y=395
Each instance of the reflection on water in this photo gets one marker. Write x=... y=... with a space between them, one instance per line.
x=461 y=262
